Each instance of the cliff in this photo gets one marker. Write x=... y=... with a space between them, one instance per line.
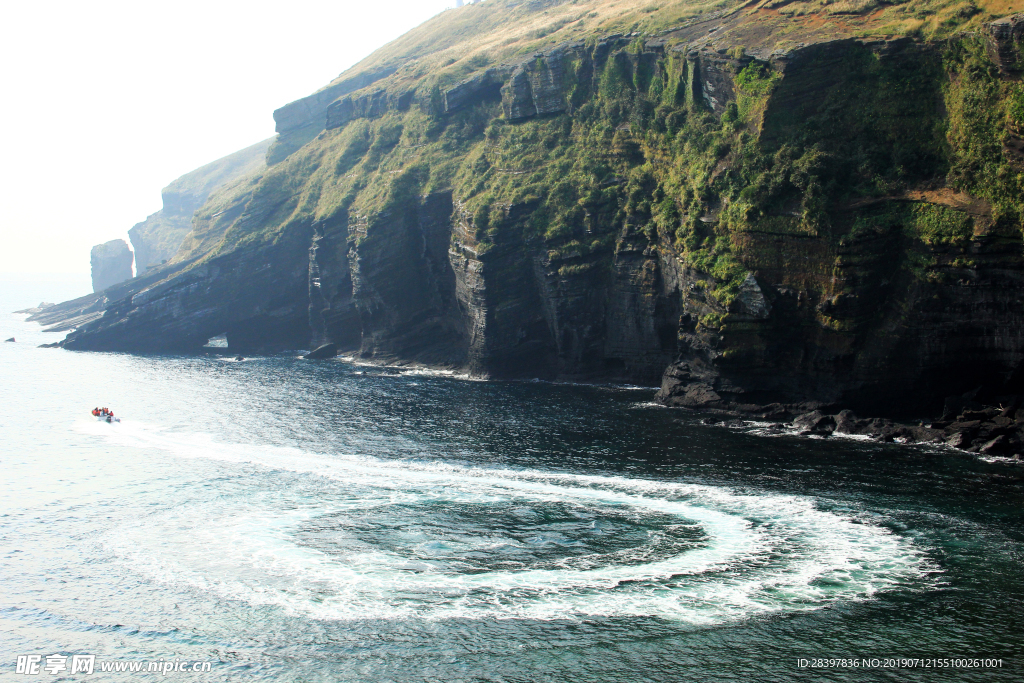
x=111 y=263
x=166 y=242
x=157 y=238
x=756 y=204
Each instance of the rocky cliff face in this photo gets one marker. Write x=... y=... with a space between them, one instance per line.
x=299 y=122
x=833 y=223
x=258 y=306
x=157 y=238
x=111 y=264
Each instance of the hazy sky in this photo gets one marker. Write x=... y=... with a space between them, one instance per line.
x=104 y=102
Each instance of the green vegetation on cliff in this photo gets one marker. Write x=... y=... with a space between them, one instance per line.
x=158 y=238
x=635 y=142
x=985 y=110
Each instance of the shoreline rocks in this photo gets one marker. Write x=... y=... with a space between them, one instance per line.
x=43 y=305
x=967 y=425
x=322 y=352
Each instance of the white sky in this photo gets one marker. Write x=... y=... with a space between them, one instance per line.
x=105 y=102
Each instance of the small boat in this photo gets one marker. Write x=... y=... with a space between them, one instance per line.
x=104 y=415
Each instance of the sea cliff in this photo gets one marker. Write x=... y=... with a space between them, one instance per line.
x=156 y=239
x=766 y=207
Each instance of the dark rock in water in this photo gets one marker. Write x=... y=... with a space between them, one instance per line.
x=927 y=434
x=321 y=352
x=815 y=423
x=179 y=308
x=893 y=432
x=956 y=405
x=239 y=357
x=54 y=345
x=775 y=412
x=965 y=424
x=10 y=340
x=1000 y=444
x=688 y=386
x=1002 y=422
x=846 y=422
x=111 y=264
x=959 y=440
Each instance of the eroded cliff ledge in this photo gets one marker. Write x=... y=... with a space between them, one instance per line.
x=834 y=221
x=157 y=238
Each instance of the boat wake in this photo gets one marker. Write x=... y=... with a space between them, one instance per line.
x=350 y=536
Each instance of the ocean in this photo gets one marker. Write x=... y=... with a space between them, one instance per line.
x=275 y=519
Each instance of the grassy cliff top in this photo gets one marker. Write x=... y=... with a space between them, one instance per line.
x=203 y=180
x=460 y=41
x=635 y=144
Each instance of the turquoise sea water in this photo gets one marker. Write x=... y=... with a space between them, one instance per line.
x=325 y=521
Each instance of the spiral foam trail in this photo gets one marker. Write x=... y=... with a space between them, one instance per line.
x=400 y=538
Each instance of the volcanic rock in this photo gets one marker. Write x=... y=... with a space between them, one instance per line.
x=323 y=351
x=815 y=422
x=1000 y=444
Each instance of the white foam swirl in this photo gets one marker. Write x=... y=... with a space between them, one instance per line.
x=761 y=552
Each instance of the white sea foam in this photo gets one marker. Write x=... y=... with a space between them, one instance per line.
x=775 y=429
x=421 y=370
x=763 y=552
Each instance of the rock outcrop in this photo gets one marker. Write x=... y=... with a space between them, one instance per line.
x=111 y=264
x=1005 y=36
x=299 y=122
x=993 y=430
x=322 y=352
x=537 y=87
x=256 y=298
x=43 y=305
x=479 y=88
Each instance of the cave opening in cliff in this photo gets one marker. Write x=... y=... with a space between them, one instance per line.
x=219 y=341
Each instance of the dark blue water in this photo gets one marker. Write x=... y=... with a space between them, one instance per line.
x=325 y=521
